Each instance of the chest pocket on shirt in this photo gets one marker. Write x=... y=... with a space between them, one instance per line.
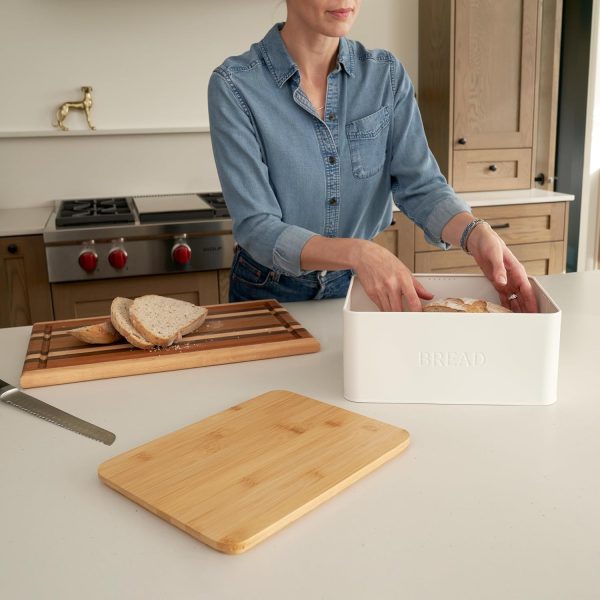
x=367 y=139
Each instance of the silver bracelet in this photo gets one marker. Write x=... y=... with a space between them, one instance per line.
x=464 y=238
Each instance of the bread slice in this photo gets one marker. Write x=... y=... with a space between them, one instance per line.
x=100 y=333
x=464 y=305
x=119 y=315
x=163 y=320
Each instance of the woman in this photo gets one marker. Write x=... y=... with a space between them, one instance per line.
x=311 y=134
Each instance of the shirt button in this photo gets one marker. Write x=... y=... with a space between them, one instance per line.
x=333 y=201
x=331 y=160
x=331 y=116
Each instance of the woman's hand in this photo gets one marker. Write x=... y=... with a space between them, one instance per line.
x=386 y=279
x=501 y=267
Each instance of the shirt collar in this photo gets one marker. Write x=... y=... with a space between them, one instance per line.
x=281 y=64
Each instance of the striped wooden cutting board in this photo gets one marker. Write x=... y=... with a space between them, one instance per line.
x=231 y=333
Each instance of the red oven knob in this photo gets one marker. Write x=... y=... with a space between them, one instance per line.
x=181 y=253
x=88 y=260
x=117 y=258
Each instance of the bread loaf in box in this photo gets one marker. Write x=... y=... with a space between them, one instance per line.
x=463 y=305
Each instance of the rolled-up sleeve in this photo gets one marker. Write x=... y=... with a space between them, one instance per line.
x=418 y=187
x=244 y=177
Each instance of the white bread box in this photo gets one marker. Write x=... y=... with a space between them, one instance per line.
x=451 y=358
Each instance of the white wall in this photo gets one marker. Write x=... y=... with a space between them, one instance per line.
x=149 y=62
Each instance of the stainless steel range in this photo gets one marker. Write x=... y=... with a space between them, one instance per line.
x=108 y=238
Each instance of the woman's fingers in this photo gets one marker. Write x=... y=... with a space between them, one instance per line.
x=390 y=294
x=505 y=272
x=509 y=302
x=386 y=280
x=519 y=285
x=421 y=291
x=529 y=302
x=499 y=273
x=412 y=300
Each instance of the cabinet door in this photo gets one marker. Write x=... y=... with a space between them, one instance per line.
x=93 y=298
x=24 y=288
x=494 y=77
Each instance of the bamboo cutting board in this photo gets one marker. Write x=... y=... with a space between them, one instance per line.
x=231 y=333
x=235 y=478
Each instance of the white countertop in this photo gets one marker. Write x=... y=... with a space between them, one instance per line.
x=23 y=221
x=488 y=502
x=506 y=197
x=501 y=198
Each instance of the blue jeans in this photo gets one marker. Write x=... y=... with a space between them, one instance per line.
x=250 y=280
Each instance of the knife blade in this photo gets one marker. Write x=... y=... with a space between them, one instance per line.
x=15 y=397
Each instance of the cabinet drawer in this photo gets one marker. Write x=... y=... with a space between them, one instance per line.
x=485 y=170
x=517 y=223
x=538 y=259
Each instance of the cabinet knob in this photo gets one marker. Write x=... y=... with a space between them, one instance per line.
x=462 y=141
x=493 y=168
x=12 y=248
x=541 y=179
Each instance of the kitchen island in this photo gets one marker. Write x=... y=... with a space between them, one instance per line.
x=488 y=502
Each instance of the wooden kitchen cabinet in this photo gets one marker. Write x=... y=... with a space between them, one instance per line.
x=538 y=259
x=477 y=89
x=93 y=298
x=517 y=223
x=399 y=239
x=536 y=233
x=24 y=289
x=223 y=279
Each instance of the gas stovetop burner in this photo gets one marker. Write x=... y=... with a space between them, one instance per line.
x=73 y=213
x=217 y=202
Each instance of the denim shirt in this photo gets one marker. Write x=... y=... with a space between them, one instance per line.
x=287 y=175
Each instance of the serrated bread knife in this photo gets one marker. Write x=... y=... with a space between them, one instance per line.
x=15 y=397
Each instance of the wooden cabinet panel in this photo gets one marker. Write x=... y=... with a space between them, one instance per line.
x=517 y=224
x=436 y=78
x=93 y=298
x=494 y=77
x=399 y=239
x=538 y=259
x=549 y=69
x=24 y=289
x=485 y=170
x=486 y=83
x=223 y=276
